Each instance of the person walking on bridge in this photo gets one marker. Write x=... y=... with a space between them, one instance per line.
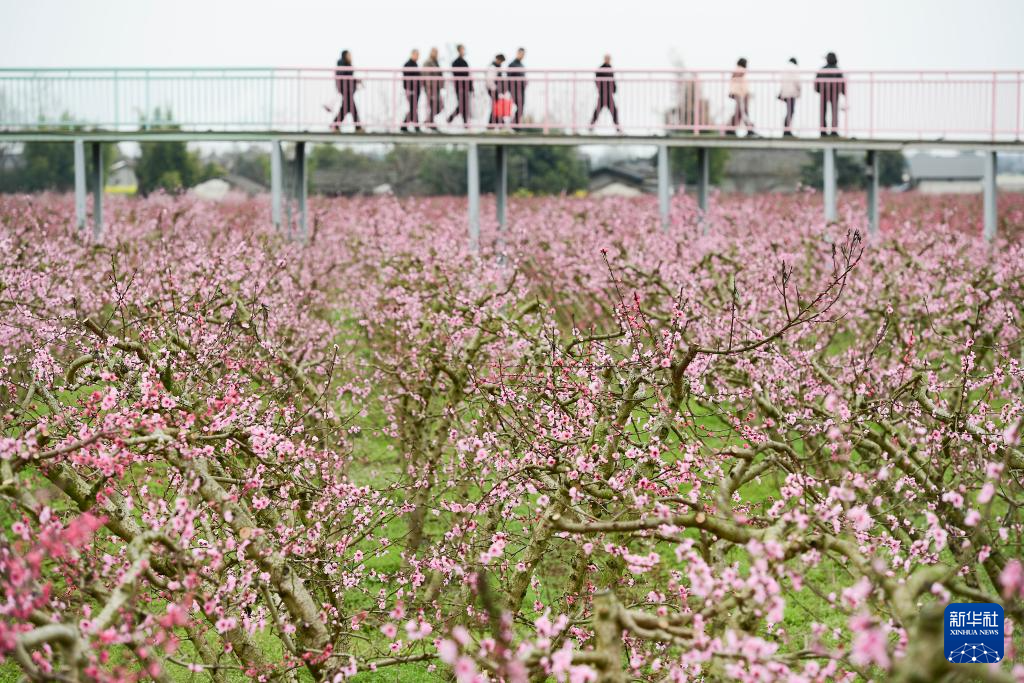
x=346 y=84
x=517 y=85
x=432 y=85
x=829 y=83
x=789 y=91
x=739 y=92
x=463 y=86
x=495 y=82
x=604 y=79
x=412 y=84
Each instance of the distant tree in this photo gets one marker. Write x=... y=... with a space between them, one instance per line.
x=211 y=169
x=892 y=168
x=343 y=171
x=549 y=169
x=534 y=170
x=851 y=171
x=254 y=165
x=443 y=172
x=684 y=163
x=51 y=165
x=166 y=165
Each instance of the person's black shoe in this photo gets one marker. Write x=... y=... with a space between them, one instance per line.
x=787 y=134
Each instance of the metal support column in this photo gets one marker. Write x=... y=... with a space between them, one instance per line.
x=990 y=196
x=473 y=191
x=275 y=183
x=501 y=187
x=300 y=187
x=80 y=183
x=829 y=154
x=97 y=191
x=703 y=181
x=664 y=188
x=872 y=172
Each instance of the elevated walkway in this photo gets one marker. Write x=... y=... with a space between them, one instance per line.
x=883 y=110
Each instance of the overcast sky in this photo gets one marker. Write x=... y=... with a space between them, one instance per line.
x=867 y=34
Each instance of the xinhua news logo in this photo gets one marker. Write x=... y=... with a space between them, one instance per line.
x=973 y=633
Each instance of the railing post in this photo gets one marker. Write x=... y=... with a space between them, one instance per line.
x=145 y=112
x=394 y=101
x=872 y=171
x=547 y=101
x=664 y=189
x=473 y=192
x=572 y=111
x=97 y=191
x=117 y=102
x=300 y=187
x=829 y=154
x=1016 y=120
x=990 y=197
x=270 y=101
x=696 y=106
x=80 y=183
x=275 y=183
x=871 y=107
x=38 y=83
x=995 y=84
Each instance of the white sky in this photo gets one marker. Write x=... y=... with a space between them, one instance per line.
x=866 y=34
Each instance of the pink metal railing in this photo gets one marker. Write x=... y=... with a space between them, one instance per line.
x=956 y=105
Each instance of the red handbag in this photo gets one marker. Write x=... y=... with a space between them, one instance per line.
x=502 y=107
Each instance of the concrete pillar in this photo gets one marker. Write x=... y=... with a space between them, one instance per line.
x=97 y=191
x=703 y=177
x=473 y=191
x=275 y=183
x=80 y=183
x=664 y=187
x=501 y=184
x=872 y=172
x=300 y=188
x=703 y=182
x=990 y=196
x=829 y=154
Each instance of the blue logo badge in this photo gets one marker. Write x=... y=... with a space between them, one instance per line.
x=973 y=633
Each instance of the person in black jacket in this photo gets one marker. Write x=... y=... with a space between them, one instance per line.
x=606 y=88
x=517 y=85
x=830 y=84
x=345 y=82
x=411 y=84
x=463 y=86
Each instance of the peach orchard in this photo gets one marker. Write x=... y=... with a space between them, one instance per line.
x=754 y=448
